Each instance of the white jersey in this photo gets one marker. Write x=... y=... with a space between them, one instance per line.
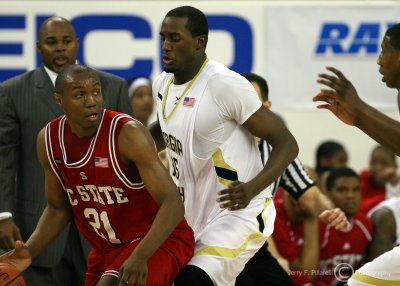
x=393 y=205
x=235 y=157
x=208 y=149
x=383 y=270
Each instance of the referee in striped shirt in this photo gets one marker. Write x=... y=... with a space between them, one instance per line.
x=263 y=268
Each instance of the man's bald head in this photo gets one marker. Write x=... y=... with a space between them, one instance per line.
x=57 y=43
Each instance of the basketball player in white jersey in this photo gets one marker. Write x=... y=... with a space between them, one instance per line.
x=208 y=116
x=343 y=101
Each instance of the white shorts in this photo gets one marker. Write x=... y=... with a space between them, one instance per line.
x=230 y=240
x=383 y=270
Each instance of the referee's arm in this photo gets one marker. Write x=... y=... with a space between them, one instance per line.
x=296 y=181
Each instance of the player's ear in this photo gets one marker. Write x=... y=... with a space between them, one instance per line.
x=267 y=104
x=202 y=41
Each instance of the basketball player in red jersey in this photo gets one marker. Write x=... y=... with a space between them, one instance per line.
x=102 y=170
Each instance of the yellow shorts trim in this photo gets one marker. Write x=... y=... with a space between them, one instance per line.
x=231 y=252
x=227 y=252
x=373 y=280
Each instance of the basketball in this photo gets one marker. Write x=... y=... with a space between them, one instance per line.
x=10 y=275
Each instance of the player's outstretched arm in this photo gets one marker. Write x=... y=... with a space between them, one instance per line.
x=343 y=101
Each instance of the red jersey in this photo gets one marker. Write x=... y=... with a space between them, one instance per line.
x=110 y=203
x=288 y=238
x=342 y=250
x=371 y=193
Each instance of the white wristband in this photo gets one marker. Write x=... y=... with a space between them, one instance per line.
x=5 y=215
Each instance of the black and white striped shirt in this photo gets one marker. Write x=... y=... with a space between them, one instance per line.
x=294 y=179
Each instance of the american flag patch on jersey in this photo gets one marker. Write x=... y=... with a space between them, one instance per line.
x=101 y=162
x=189 y=101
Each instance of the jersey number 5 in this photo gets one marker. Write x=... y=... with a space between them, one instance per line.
x=101 y=225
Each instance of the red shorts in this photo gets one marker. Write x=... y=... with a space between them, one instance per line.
x=163 y=266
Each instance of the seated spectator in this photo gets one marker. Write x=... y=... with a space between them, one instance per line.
x=141 y=99
x=329 y=155
x=386 y=220
x=381 y=180
x=343 y=249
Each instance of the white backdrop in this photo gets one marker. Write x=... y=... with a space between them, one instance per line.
x=277 y=39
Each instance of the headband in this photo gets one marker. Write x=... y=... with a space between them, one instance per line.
x=139 y=82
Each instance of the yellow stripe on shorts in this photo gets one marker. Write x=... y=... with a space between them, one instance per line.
x=227 y=252
x=232 y=252
x=373 y=280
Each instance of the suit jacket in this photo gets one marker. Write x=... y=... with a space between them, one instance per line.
x=26 y=105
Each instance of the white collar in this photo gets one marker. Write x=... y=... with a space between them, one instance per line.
x=52 y=74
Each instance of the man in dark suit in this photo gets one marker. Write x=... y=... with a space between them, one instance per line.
x=27 y=104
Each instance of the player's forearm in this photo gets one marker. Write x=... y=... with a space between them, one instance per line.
x=284 y=151
x=51 y=224
x=378 y=125
x=170 y=213
x=272 y=248
x=315 y=201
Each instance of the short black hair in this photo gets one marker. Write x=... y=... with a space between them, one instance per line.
x=394 y=34
x=197 y=22
x=262 y=83
x=326 y=150
x=65 y=76
x=338 y=173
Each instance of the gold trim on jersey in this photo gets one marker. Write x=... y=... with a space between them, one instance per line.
x=268 y=201
x=180 y=98
x=232 y=252
x=226 y=174
x=373 y=280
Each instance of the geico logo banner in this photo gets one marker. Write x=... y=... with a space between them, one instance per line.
x=137 y=29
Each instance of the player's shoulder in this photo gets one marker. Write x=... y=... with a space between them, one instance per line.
x=163 y=76
x=223 y=80
x=161 y=80
x=131 y=131
x=116 y=117
x=219 y=72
